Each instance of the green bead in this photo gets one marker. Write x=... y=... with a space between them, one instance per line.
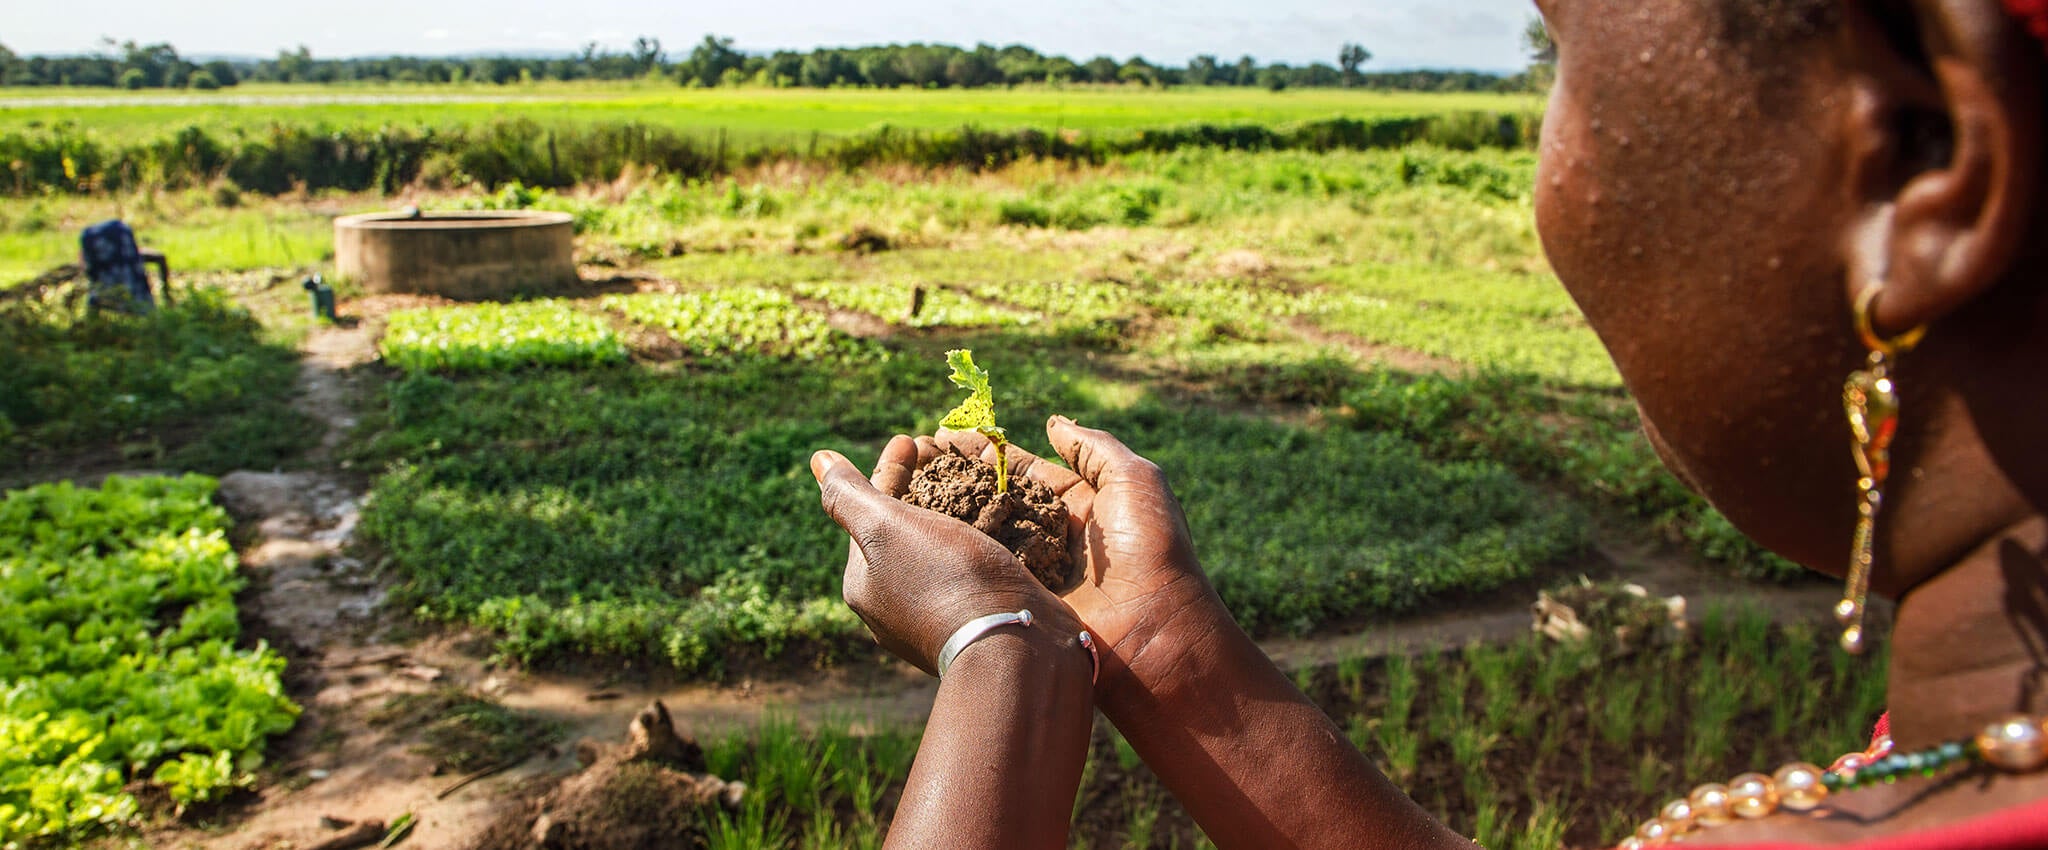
x=1831 y=781
x=1952 y=751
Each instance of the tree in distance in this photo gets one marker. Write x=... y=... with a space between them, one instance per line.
x=1350 y=59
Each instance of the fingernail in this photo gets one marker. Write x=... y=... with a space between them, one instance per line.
x=821 y=463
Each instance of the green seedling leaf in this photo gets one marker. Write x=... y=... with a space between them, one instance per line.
x=399 y=830
x=978 y=412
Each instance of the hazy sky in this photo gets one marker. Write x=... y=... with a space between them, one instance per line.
x=1482 y=34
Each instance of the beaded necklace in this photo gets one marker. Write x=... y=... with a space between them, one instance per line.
x=2017 y=744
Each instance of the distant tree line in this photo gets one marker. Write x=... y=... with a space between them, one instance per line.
x=716 y=62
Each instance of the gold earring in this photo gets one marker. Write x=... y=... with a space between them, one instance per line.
x=1872 y=402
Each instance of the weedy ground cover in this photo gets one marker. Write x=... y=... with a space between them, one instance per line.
x=1587 y=442
x=1615 y=731
x=1459 y=315
x=199 y=386
x=123 y=662
x=548 y=506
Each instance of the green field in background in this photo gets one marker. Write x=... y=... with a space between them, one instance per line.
x=748 y=113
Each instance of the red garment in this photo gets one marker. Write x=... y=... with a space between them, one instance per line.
x=2033 y=13
x=2018 y=828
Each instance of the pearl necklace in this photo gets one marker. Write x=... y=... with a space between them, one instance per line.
x=2017 y=744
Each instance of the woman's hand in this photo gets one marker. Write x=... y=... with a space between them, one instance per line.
x=1001 y=758
x=913 y=575
x=1142 y=590
x=1180 y=675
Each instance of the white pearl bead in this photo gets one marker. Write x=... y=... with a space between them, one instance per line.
x=1847 y=611
x=1653 y=832
x=2016 y=743
x=1752 y=796
x=1630 y=843
x=1678 y=815
x=1852 y=640
x=1710 y=804
x=1799 y=787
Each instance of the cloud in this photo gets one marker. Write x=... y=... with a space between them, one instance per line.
x=436 y=34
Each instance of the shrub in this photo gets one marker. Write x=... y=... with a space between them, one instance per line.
x=281 y=157
x=1023 y=213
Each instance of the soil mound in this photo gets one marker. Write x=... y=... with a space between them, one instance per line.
x=1029 y=520
x=650 y=794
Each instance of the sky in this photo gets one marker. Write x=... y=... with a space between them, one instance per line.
x=1473 y=34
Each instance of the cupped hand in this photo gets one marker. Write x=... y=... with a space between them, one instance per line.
x=1141 y=582
x=914 y=575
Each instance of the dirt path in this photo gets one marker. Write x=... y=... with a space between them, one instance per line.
x=324 y=608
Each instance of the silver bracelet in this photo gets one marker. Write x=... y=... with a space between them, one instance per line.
x=979 y=627
x=975 y=630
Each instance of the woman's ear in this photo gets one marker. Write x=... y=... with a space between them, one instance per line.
x=1944 y=153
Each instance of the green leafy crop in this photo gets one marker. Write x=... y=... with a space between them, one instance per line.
x=124 y=662
x=978 y=412
x=500 y=338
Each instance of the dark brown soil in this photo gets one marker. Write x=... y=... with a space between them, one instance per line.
x=1029 y=520
x=647 y=795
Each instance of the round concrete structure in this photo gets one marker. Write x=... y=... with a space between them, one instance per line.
x=470 y=256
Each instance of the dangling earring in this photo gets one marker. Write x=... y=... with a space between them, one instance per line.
x=1872 y=402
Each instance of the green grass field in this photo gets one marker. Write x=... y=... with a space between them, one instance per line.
x=746 y=114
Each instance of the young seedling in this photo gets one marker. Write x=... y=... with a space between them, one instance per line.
x=978 y=412
x=1028 y=519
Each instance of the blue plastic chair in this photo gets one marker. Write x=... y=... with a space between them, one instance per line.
x=119 y=270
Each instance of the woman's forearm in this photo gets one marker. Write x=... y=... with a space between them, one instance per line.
x=1002 y=755
x=1250 y=757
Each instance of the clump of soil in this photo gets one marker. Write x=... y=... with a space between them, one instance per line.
x=865 y=240
x=1029 y=520
x=1625 y=614
x=650 y=794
